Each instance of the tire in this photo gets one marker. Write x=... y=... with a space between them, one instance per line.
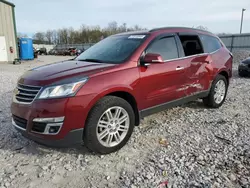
x=210 y=100
x=92 y=131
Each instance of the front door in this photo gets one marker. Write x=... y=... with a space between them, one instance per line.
x=3 y=50
x=160 y=83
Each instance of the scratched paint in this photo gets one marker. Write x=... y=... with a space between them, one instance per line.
x=195 y=85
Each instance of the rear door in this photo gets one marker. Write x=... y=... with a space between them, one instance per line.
x=198 y=68
x=159 y=83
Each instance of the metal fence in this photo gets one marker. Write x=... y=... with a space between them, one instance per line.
x=84 y=46
x=236 y=41
x=233 y=42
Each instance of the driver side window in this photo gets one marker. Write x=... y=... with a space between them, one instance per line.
x=166 y=47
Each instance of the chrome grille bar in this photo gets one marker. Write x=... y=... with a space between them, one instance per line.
x=26 y=93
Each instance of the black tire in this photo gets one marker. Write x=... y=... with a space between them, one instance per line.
x=209 y=100
x=90 y=137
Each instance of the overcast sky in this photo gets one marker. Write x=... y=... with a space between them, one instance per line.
x=217 y=15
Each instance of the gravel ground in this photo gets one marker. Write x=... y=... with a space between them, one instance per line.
x=188 y=146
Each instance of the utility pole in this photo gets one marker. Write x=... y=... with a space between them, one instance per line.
x=241 y=23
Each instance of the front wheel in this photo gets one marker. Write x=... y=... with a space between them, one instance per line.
x=109 y=125
x=218 y=92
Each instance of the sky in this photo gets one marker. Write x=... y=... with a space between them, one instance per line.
x=219 y=16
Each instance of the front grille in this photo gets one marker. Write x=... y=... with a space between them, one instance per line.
x=20 y=122
x=26 y=94
x=39 y=127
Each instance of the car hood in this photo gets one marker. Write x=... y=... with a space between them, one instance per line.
x=51 y=73
x=246 y=61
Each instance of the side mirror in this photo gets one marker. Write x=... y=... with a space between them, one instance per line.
x=152 y=58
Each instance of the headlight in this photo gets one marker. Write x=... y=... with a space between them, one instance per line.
x=61 y=90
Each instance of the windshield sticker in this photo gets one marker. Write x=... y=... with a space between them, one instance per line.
x=136 y=36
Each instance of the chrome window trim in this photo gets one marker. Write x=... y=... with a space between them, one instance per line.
x=186 y=57
x=196 y=55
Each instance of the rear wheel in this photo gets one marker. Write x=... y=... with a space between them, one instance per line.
x=218 y=92
x=109 y=125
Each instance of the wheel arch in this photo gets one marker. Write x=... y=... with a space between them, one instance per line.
x=225 y=74
x=124 y=93
x=131 y=100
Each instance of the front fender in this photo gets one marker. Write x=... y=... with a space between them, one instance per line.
x=106 y=91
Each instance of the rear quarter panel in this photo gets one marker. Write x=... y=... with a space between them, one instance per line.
x=222 y=61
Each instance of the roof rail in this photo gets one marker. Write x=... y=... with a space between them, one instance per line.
x=162 y=28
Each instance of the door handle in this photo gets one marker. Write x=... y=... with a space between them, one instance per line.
x=179 y=68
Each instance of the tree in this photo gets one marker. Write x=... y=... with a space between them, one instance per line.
x=21 y=35
x=85 y=34
x=39 y=37
x=49 y=36
x=63 y=36
x=55 y=37
x=202 y=28
x=112 y=27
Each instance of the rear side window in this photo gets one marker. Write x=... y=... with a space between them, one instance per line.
x=210 y=43
x=166 y=47
x=191 y=44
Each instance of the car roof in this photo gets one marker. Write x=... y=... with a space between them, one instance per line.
x=133 y=33
x=168 y=29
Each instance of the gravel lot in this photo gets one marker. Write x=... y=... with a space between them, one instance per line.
x=188 y=146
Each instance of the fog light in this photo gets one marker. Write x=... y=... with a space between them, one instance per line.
x=52 y=126
x=54 y=129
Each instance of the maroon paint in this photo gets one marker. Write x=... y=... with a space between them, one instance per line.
x=150 y=86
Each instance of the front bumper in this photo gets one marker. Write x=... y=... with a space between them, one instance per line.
x=71 y=132
x=73 y=138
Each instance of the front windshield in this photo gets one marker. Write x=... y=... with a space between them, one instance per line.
x=114 y=49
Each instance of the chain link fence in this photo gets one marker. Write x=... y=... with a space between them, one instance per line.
x=83 y=46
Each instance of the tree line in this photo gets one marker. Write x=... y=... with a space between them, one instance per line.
x=85 y=34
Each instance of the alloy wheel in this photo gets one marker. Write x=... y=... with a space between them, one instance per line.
x=219 y=91
x=113 y=126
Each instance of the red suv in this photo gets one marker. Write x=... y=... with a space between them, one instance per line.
x=99 y=97
x=70 y=51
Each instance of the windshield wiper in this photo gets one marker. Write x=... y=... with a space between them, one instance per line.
x=92 y=60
